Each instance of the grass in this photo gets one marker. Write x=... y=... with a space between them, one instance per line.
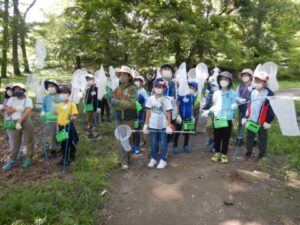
x=289 y=84
x=75 y=198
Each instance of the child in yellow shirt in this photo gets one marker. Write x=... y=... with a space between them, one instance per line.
x=67 y=113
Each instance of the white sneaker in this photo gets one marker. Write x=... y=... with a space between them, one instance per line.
x=162 y=164
x=152 y=163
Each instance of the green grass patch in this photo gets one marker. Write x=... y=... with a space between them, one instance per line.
x=289 y=84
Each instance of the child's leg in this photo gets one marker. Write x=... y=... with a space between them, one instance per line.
x=176 y=136
x=263 y=141
x=218 y=139
x=164 y=146
x=250 y=142
x=10 y=139
x=154 y=143
x=186 y=139
x=27 y=130
x=226 y=133
x=51 y=127
x=16 y=141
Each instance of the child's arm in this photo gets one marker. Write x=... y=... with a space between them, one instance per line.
x=148 y=114
x=26 y=114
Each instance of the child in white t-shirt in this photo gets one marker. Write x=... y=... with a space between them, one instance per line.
x=19 y=108
x=158 y=121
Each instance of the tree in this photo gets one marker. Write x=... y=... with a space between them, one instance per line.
x=15 y=35
x=23 y=33
x=5 y=41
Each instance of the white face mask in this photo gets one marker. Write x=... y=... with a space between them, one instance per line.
x=192 y=91
x=124 y=79
x=52 y=90
x=224 y=83
x=9 y=93
x=167 y=74
x=158 y=91
x=90 y=83
x=245 y=79
x=138 y=84
x=258 y=85
x=63 y=97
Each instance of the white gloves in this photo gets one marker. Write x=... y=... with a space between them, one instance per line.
x=1 y=107
x=234 y=106
x=98 y=110
x=18 y=126
x=145 y=129
x=244 y=121
x=42 y=114
x=169 y=130
x=178 y=119
x=19 y=108
x=242 y=100
x=267 y=125
x=205 y=114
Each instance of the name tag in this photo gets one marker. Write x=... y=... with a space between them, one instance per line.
x=185 y=100
x=93 y=93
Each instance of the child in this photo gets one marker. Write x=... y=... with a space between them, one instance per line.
x=19 y=108
x=49 y=105
x=67 y=113
x=91 y=102
x=142 y=99
x=124 y=105
x=260 y=112
x=242 y=93
x=158 y=120
x=104 y=105
x=185 y=114
x=213 y=87
x=196 y=104
x=223 y=108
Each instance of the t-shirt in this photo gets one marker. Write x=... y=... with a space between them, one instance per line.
x=14 y=101
x=65 y=111
x=50 y=103
x=257 y=104
x=158 y=118
x=186 y=106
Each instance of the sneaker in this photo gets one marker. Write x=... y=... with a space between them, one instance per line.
x=175 y=150
x=162 y=164
x=132 y=149
x=152 y=163
x=186 y=149
x=210 y=141
x=125 y=166
x=224 y=158
x=216 y=157
x=10 y=163
x=137 y=150
x=27 y=162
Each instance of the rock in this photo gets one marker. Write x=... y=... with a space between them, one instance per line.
x=229 y=200
x=252 y=176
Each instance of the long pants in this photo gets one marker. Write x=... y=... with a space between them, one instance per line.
x=51 y=129
x=27 y=133
x=209 y=128
x=104 y=107
x=10 y=140
x=262 y=142
x=137 y=136
x=124 y=155
x=156 y=138
x=69 y=146
x=90 y=121
x=222 y=137
x=176 y=136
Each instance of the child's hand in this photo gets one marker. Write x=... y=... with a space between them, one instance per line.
x=267 y=125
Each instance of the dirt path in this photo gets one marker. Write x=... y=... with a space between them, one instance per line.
x=192 y=190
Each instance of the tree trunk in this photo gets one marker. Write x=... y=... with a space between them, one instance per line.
x=23 y=46
x=78 y=62
x=15 y=32
x=4 y=41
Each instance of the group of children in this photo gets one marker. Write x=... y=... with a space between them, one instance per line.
x=160 y=113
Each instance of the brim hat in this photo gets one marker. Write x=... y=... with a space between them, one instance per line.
x=20 y=85
x=225 y=74
x=54 y=82
x=64 y=89
x=246 y=71
x=89 y=76
x=161 y=82
x=124 y=69
x=140 y=78
x=262 y=76
x=193 y=84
